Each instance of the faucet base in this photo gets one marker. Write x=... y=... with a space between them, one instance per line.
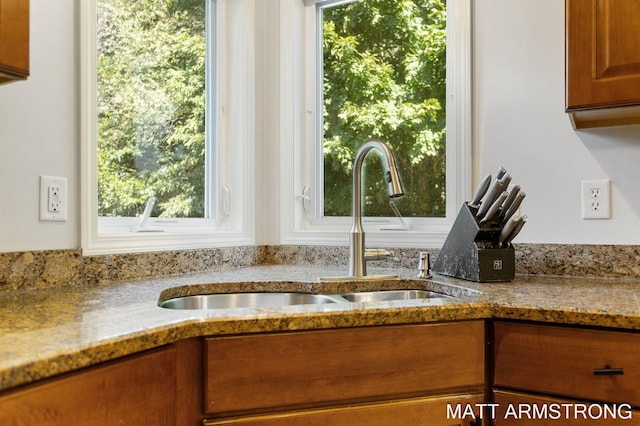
x=362 y=278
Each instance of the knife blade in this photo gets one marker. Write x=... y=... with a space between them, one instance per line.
x=515 y=206
x=494 y=207
x=481 y=190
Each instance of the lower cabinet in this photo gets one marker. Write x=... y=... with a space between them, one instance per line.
x=388 y=375
x=139 y=390
x=427 y=374
x=430 y=374
x=593 y=374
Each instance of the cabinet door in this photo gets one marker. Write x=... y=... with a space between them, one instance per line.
x=571 y=362
x=14 y=39
x=521 y=409
x=603 y=53
x=136 y=391
x=436 y=411
x=274 y=372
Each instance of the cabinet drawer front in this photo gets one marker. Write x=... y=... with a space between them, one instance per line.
x=310 y=369
x=571 y=362
x=436 y=411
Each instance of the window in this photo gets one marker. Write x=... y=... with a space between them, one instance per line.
x=154 y=69
x=164 y=92
x=375 y=69
x=383 y=68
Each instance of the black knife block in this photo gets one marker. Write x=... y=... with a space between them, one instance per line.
x=472 y=252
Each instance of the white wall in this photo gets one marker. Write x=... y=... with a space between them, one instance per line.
x=519 y=123
x=38 y=133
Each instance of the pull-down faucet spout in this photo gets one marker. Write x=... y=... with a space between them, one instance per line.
x=357 y=261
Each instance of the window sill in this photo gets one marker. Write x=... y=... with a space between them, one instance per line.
x=412 y=238
x=136 y=242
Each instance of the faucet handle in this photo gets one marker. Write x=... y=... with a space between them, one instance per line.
x=377 y=254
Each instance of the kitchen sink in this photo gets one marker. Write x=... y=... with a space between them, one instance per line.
x=248 y=300
x=274 y=299
x=390 y=295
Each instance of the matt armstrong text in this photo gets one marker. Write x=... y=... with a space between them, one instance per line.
x=544 y=411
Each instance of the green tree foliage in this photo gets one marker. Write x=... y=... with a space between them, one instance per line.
x=385 y=79
x=151 y=106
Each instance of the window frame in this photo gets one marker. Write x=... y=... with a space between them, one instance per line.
x=230 y=115
x=302 y=220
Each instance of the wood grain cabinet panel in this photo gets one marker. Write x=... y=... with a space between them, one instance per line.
x=433 y=411
x=137 y=391
x=603 y=62
x=267 y=372
x=593 y=365
x=14 y=40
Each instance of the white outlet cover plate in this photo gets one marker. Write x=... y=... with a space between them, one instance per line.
x=46 y=215
x=602 y=200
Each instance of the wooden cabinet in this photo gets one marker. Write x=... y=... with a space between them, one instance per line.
x=419 y=411
x=140 y=390
x=14 y=40
x=344 y=375
x=603 y=62
x=543 y=361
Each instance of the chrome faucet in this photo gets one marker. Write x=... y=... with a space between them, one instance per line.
x=357 y=253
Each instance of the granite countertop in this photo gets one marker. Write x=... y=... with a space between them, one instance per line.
x=51 y=331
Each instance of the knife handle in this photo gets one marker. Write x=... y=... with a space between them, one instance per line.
x=515 y=206
x=510 y=199
x=494 y=207
x=505 y=180
x=481 y=190
x=507 y=229
x=516 y=230
x=489 y=198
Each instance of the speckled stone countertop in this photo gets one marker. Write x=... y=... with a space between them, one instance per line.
x=50 y=331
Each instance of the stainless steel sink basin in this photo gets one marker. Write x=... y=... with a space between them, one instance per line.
x=389 y=295
x=247 y=300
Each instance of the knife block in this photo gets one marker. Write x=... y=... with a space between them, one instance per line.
x=472 y=252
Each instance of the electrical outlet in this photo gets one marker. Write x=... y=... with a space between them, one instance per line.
x=53 y=199
x=596 y=199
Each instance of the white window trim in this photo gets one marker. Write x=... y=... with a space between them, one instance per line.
x=235 y=223
x=300 y=225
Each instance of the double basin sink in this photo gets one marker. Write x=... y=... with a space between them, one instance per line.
x=280 y=299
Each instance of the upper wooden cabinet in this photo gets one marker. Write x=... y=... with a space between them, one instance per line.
x=603 y=62
x=14 y=40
